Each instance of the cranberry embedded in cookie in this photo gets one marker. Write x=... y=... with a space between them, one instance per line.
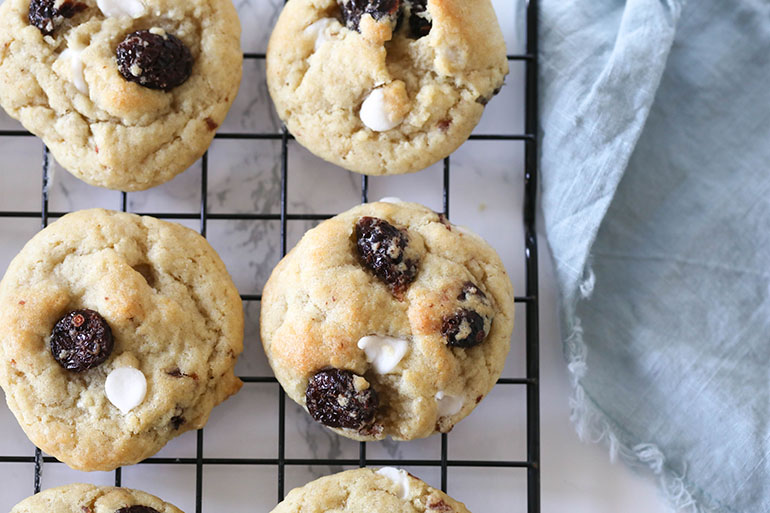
x=464 y=328
x=353 y=10
x=154 y=59
x=137 y=509
x=86 y=498
x=469 y=290
x=177 y=421
x=469 y=325
x=420 y=21
x=43 y=14
x=81 y=340
x=383 y=249
x=339 y=398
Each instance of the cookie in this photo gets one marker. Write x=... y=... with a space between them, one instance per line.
x=120 y=333
x=386 y=490
x=384 y=86
x=84 y=498
x=126 y=93
x=387 y=320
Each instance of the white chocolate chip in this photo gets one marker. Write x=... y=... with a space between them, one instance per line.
x=125 y=388
x=118 y=8
x=391 y=199
x=385 y=353
x=158 y=32
x=398 y=476
x=73 y=55
x=448 y=405
x=376 y=114
x=321 y=31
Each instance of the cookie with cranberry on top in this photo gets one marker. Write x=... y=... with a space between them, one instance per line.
x=384 y=86
x=388 y=320
x=126 y=93
x=85 y=498
x=120 y=332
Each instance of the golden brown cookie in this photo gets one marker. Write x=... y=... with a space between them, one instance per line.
x=126 y=93
x=85 y=498
x=120 y=333
x=384 y=86
x=387 y=320
x=387 y=490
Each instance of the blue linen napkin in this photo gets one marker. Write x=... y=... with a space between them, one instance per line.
x=655 y=120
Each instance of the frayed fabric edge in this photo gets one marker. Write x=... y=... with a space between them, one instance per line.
x=592 y=425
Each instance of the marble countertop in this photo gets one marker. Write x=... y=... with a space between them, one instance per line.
x=244 y=176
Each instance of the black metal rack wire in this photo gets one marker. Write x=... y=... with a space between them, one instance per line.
x=529 y=300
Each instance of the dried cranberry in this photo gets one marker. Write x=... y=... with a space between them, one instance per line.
x=419 y=19
x=137 y=509
x=438 y=504
x=175 y=373
x=464 y=328
x=43 y=13
x=81 y=340
x=382 y=247
x=441 y=217
x=154 y=60
x=470 y=289
x=332 y=400
x=352 y=10
x=177 y=421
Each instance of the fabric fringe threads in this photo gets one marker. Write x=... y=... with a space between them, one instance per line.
x=593 y=426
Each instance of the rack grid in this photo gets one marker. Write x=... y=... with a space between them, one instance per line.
x=529 y=300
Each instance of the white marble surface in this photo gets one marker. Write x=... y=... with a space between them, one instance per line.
x=244 y=176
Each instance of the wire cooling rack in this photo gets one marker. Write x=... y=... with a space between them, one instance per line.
x=529 y=301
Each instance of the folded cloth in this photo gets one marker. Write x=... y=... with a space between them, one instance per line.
x=656 y=197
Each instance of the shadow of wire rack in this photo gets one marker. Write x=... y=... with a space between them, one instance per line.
x=529 y=300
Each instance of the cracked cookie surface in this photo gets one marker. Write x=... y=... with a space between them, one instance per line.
x=392 y=96
x=367 y=490
x=86 y=498
x=174 y=314
x=66 y=87
x=325 y=309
